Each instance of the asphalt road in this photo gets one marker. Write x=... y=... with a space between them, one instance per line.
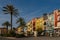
x=32 y=38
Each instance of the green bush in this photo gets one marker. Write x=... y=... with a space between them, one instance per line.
x=10 y=34
x=5 y=35
x=20 y=35
x=13 y=34
x=39 y=31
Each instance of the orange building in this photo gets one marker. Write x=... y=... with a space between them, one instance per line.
x=57 y=18
x=34 y=23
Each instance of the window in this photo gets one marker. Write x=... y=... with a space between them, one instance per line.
x=58 y=19
x=44 y=23
x=58 y=24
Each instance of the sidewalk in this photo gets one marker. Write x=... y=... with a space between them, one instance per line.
x=10 y=37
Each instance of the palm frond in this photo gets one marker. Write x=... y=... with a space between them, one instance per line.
x=4 y=10
x=11 y=8
x=6 y=24
x=21 y=22
x=16 y=13
x=5 y=13
x=5 y=7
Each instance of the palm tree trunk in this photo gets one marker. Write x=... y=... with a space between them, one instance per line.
x=7 y=29
x=23 y=30
x=11 y=20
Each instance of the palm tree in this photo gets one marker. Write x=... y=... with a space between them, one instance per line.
x=21 y=22
x=7 y=24
x=10 y=9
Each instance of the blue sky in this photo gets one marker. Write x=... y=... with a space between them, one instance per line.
x=28 y=9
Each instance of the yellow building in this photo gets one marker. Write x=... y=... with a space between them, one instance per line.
x=39 y=23
x=29 y=26
x=19 y=30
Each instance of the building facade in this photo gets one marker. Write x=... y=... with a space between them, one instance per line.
x=3 y=30
x=48 y=22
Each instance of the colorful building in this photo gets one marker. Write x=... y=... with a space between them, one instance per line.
x=29 y=30
x=57 y=18
x=19 y=30
x=57 y=22
x=29 y=26
x=3 y=30
x=39 y=23
x=33 y=24
x=50 y=23
x=47 y=22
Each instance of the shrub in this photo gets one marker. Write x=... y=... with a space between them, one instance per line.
x=12 y=34
x=20 y=35
x=39 y=31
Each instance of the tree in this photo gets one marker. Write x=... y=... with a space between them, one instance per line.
x=7 y=24
x=10 y=9
x=21 y=22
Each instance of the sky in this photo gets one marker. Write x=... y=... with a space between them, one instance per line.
x=28 y=9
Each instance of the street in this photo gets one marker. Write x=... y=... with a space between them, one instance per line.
x=32 y=38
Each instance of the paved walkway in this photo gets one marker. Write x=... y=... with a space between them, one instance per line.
x=30 y=38
x=40 y=38
x=7 y=38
